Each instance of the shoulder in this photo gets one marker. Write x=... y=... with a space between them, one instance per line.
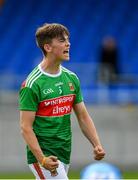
x=69 y=73
x=33 y=77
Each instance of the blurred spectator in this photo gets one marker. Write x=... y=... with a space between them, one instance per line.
x=1 y=3
x=108 y=60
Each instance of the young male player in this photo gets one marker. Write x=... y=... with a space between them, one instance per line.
x=46 y=100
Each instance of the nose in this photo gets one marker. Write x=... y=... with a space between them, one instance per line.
x=68 y=44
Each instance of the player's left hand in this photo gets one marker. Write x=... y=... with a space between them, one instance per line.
x=99 y=152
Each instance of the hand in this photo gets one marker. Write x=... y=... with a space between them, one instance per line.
x=99 y=152
x=54 y=172
x=51 y=164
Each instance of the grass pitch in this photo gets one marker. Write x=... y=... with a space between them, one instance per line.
x=71 y=175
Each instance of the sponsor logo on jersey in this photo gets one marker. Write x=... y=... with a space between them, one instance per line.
x=59 y=106
x=71 y=86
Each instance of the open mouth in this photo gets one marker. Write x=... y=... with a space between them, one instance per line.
x=66 y=52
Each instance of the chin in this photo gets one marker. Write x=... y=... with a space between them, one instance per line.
x=66 y=59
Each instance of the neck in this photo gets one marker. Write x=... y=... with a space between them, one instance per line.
x=50 y=66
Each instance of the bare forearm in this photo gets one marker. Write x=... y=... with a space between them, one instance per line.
x=33 y=144
x=89 y=130
x=49 y=162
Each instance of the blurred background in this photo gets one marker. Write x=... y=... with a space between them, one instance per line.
x=104 y=55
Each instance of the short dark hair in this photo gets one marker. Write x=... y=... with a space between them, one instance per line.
x=47 y=32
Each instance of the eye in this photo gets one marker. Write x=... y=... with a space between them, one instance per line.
x=61 y=40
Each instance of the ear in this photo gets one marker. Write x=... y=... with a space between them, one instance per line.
x=47 y=47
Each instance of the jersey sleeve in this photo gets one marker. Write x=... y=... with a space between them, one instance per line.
x=79 y=97
x=28 y=100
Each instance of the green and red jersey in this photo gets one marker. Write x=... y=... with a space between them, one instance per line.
x=52 y=98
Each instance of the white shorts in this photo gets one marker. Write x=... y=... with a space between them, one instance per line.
x=41 y=173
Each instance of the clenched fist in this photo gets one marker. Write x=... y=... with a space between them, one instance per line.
x=51 y=163
x=99 y=152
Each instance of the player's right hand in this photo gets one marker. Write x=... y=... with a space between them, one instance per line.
x=51 y=164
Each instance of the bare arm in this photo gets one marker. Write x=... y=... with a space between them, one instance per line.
x=88 y=128
x=26 y=121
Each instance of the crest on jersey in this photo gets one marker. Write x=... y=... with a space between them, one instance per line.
x=71 y=86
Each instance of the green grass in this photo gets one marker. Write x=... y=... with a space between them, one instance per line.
x=130 y=175
x=72 y=175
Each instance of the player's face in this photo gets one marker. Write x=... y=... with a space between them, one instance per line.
x=60 y=47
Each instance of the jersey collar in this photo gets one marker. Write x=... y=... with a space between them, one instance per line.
x=48 y=74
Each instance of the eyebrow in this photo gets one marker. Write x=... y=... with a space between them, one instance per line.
x=63 y=38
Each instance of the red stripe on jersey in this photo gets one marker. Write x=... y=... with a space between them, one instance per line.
x=38 y=170
x=56 y=107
